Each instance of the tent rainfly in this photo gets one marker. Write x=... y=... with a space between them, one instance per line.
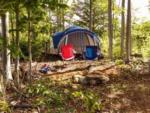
x=78 y=37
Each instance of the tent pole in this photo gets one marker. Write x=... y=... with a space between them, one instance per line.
x=66 y=40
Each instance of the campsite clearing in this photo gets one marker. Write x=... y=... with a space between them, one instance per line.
x=126 y=88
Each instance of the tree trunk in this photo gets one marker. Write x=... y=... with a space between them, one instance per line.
x=29 y=46
x=63 y=20
x=2 y=86
x=62 y=16
x=17 y=44
x=110 y=29
x=122 y=30
x=6 y=51
x=50 y=31
x=128 y=32
x=91 y=18
x=12 y=27
x=58 y=12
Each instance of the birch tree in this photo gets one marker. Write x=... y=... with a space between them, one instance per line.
x=6 y=43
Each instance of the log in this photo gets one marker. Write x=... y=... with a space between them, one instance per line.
x=22 y=106
x=59 y=66
x=65 y=76
x=101 y=68
x=82 y=70
x=77 y=67
x=82 y=77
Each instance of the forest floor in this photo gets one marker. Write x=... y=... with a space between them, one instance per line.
x=85 y=86
x=126 y=95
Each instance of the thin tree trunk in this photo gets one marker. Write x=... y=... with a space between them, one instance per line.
x=128 y=32
x=12 y=27
x=110 y=29
x=17 y=44
x=2 y=86
x=50 y=31
x=91 y=19
x=62 y=17
x=12 y=32
x=29 y=46
x=122 y=30
x=63 y=20
x=6 y=43
x=58 y=12
x=2 y=76
x=130 y=37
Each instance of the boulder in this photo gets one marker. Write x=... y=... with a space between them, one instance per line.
x=90 y=79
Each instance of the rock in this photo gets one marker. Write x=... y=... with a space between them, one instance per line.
x=66 y=91
x=34 y=111
x=90 y=79
x=99 y=77
x=13 y=103
x=74 y=86
x=59 y=62
x=78 y=79
x=104 y=78
x=34 y=64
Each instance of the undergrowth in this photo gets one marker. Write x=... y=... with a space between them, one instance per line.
x=59 y=98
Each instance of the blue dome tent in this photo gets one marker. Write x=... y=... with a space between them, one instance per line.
x=78 y=37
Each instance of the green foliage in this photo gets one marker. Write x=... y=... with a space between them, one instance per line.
x=55 y=95
x=91 y=102
x=99 y=15
x=15 y=53
x=37 y=47
x=47 y=95
x=116 y=52
x=119 y=62
x=49 y=16
x=4 y=106
x=146 y=52
x=141 y=39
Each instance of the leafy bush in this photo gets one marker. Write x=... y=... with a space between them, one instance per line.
x=116 y=52
x=58 y=98
x=119 y=62
x=146 y=52
x=48 y=95
x=37 y=48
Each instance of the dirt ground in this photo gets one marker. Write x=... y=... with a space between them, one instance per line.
x=126 y=92
x=126 y=95
x=128 y=88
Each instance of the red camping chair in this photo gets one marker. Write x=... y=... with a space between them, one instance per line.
x=67 y=52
